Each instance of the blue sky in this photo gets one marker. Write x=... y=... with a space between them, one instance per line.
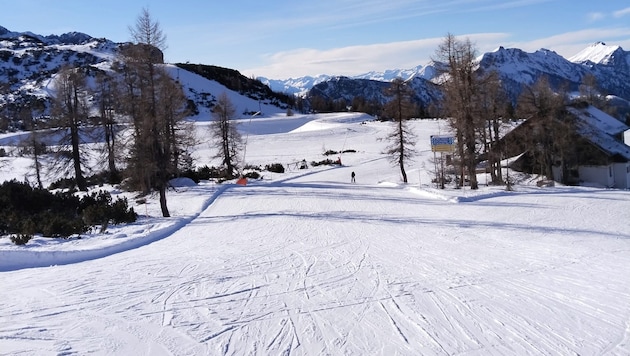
x=288 y=38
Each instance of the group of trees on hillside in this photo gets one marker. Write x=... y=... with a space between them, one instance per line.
x=140 y=94
x=472 y=102
x=140 y=91
x=137 y=92
x=476 y=106
x=137 y=97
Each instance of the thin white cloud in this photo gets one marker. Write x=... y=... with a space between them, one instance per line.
x=595 y=16
x=622 y=12
x=355 y=60
x=501 y=5
x=334 y=14
x=569 y=43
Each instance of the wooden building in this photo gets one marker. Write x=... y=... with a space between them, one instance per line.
x=583 y=147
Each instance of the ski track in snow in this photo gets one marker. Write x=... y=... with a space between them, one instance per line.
x=307 y=265
x=308 y=284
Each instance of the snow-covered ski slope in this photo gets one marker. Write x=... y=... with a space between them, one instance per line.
x=306 y=263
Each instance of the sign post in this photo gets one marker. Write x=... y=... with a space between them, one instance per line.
x=441 y=144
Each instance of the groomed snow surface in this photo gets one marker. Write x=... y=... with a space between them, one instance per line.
x=307 y=263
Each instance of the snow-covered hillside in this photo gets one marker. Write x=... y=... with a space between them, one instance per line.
x=204 y=92
x=29 y=63
x=305 y=262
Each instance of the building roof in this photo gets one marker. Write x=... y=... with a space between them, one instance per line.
x=600 y=129
x=598 y=119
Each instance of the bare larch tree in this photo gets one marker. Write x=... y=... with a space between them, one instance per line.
x=105 y=94
x=460 y=88
x=552 y=128
x=70 y=111
x=400 y=109
x=491 y=102
x=157 y=107
x=226 y=138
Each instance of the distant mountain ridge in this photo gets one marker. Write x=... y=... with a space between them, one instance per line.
x=302 y=85
x=71 y=38
x=28 y=62
x=609 y=64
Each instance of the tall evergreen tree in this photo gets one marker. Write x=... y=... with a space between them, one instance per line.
x=33 y=144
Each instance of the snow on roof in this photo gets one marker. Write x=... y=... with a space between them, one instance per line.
x=599 y=128
x=607 y=143
x=599 y=120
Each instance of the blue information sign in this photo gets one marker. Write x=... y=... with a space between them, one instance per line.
x=442 y=143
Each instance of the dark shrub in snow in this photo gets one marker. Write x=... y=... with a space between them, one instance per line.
x=27 y=211
x=275 y=167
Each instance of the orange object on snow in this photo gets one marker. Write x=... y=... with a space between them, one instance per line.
x=242 y=181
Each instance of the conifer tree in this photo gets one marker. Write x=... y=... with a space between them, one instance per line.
x=463 y=90
x=491 y=103
x=226 y=139
x=401 y=139
x=70 y=110
x=33 y=145
x=157 y=107
x=105 y=93
x=551 y=127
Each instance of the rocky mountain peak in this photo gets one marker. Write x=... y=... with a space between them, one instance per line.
x=598 y=53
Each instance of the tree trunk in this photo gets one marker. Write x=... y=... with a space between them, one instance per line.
x=38 y=166
x=163 y=206
x=110 y=142
x=496 y=138
x=470 y=153
x=76 y=158
x=402 y=171
x=460 y=152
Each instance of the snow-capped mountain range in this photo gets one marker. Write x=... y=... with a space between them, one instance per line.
x=302 y=85
x=29 y=61
x=609 y=64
